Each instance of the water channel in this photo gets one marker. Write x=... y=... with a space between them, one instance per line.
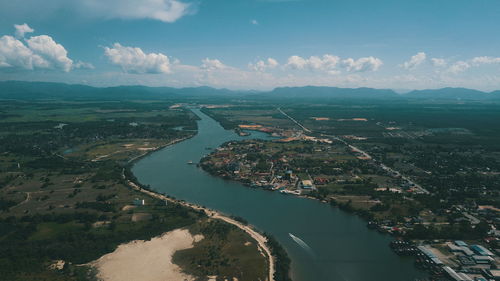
x=325 y=243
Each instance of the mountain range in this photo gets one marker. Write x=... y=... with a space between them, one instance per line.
x=48 y=90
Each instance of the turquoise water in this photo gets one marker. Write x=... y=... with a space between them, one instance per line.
x=323 y=243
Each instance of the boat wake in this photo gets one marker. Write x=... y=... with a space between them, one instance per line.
x=301 y=243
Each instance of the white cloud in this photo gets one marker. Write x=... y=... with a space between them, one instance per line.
x=212 y=64
x=22 y=29
x=13 y=53
x=254 y=22
x=459 y=66
x=296 y=62
x=362 y=64
x=261 y=65
x=37 y=52
x=414 y=61
x=162 y=10
x=484 y=60
x=83 y=65
x=325 y=63
x=330 y=63
x=134 y=60
x=437 y=62
x=47 y=48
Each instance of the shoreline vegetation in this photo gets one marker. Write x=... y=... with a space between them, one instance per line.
x=273 y=252
x=278 y=260
x=427 y=179
x=70 y=203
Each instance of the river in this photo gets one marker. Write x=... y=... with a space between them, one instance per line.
x=325 y=243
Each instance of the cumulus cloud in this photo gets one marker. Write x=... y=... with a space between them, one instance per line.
x=331 y=64
x=484 y=60
x=13 y=53
x=362 y=64
x=48 y=49
x=459 y=66
x=261 y=65
x=134 y=60
x=22 y=29
x=437 y=62
x=83 y=65
x=37 y=52
x=414 y=61
x=212 y=64
x=325 y=63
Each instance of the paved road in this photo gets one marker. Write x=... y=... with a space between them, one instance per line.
x=294 y=121
x=364 y=153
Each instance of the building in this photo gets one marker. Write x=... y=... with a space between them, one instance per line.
x=139 y=202
x=458 y=276
x=430 y=255
x=307 y=184
x=320 y=181
x=483 y=259
x=461 y=247
x=482 y=251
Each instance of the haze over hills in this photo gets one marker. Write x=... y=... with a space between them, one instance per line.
x=49 y=90
x=330 y=92
x=453 y=93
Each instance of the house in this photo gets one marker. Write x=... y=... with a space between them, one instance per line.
x=320 y=181
x=139 y=202
x=307 y=184
x=483 y=259
x=458 y=276
x=482 y=251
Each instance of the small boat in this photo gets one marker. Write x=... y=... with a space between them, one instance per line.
x=190 y=162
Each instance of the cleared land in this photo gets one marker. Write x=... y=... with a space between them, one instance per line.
x=64 y=200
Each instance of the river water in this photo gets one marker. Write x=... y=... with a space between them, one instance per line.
x=325 y=243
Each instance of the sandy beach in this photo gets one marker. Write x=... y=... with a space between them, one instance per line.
x=146 y=260
x=259 y=238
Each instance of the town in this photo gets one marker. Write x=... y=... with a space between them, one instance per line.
x=336 y=170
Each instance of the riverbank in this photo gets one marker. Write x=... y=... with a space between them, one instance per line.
x=332 y=235
x=148 y=152
x=258 y=237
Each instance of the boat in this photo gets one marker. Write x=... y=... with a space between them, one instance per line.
x=190 y=162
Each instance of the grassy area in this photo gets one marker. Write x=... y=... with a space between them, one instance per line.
x=63 y=195
x=221 y=254
x=449 y=148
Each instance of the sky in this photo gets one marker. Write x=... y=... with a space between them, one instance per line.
x=253 y=44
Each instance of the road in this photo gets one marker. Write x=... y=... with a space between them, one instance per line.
x=364 y=153
x=294 y=121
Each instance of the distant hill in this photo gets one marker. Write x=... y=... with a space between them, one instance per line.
x=46 y=90
x=452 y=94
x=329 y=92
x=386 y=94
x=496 y=94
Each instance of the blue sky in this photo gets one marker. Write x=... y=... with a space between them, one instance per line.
x=253 y=44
